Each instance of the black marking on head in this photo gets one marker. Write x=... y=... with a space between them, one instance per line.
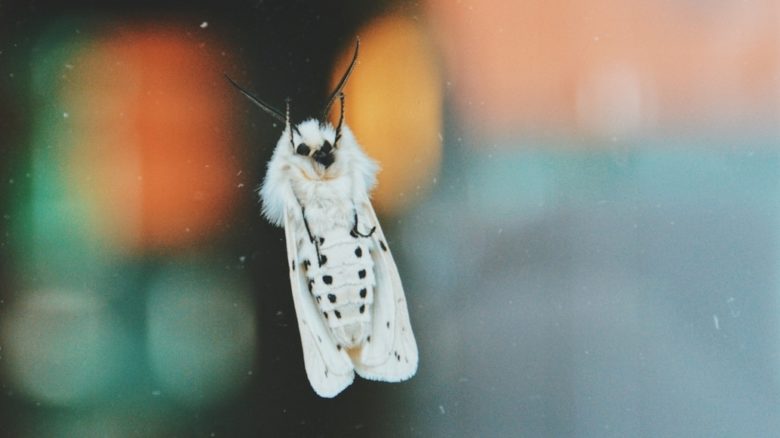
x=338 y=314
x=327 y=279
x=326 y=147
x=331 y=298
x=362 y=308
x=362 y=273
x=358 y=252
x=363 y=293
x=382 y=245
x=303 y=149
x=324 y=158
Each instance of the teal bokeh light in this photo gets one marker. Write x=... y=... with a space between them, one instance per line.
x=201 y=328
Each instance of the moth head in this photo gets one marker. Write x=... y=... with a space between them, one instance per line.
x=315 y=139
x=314 y=143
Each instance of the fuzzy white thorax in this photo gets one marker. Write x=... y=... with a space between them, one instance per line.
x=328 y=194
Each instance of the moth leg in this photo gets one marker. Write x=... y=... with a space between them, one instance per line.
x=355 y=233
x=312 y=238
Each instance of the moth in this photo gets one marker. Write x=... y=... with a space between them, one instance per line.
x=349 y=301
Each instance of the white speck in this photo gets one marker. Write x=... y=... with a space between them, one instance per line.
x=156 y=392
x=441 y=409
x=204 y=25
x=242 y=259
x=65 y=115
x=69 y=66
x=716 y=322
x=240 y=185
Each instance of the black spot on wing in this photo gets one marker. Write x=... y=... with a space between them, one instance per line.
x=338 y=347
x=322 y=240
x=306 y=263
x=362 y=273
x=362 y=308
x=388 y=324
x=382 y=245
x=358 y=252
x=338 y=314
x=327 y=279
x=363 y=293
x=323 y=259
x=325 y=313
x=311 y=285
x=293 y=265
x=332 y=298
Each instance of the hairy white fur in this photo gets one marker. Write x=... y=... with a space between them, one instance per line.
x=357 y=320
x=353 y=170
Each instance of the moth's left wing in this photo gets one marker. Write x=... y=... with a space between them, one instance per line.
x=329 y=370
x=391 y=355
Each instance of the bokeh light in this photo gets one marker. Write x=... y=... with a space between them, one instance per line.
x=63 y=347
x=606 y=68
x=201 y=328
x=149 y=138
x=394 y=106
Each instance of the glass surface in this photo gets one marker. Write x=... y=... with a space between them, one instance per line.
x=583 y=201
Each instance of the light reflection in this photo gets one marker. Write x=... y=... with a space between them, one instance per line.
x=63 y=347
x=394 y=106
x=201 y=328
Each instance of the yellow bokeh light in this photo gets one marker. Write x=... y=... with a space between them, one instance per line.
x=394 y=107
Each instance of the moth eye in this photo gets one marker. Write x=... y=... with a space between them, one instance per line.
x=326 y=147
x=302 y=149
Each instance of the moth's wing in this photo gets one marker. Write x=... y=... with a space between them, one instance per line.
x=391 y=355
x=329 y=370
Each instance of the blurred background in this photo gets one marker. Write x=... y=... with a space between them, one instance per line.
x=583 y=199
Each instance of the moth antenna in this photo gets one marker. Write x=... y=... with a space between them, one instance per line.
x=273 y=112
x=341 y=120
x=287 y=123
x=342 y=82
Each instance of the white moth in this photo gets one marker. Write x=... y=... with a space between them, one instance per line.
x=348 y=296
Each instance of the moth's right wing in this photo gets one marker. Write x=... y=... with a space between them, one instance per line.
x=329 y=370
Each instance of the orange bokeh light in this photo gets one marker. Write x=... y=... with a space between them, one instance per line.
x=607 y=67
x=152 y=146
x=394 y=107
